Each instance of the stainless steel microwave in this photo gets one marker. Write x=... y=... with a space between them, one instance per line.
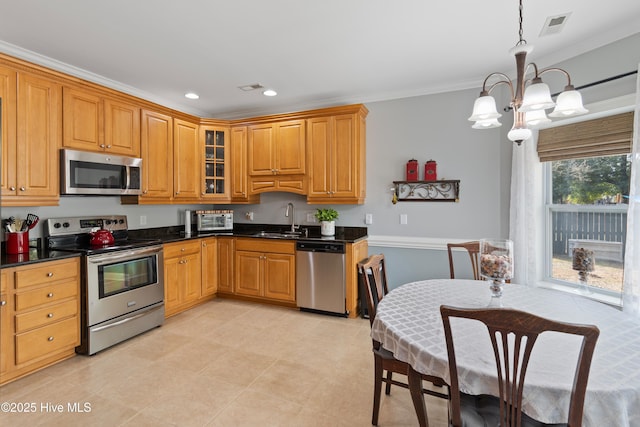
x=215 y=220
x=99 y=174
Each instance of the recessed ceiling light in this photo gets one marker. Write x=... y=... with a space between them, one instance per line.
x=269 y=92
x=191 y=95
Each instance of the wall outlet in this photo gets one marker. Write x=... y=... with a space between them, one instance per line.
x=368 y=219
x=143 y=220
x=403 y=219
x=311 y=217
x=249 y=216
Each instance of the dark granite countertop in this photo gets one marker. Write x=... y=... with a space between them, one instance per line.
x=176 y=233
x=35 y=255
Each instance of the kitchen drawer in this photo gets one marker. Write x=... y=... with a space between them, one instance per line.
x=266 y=245
x=48 y=272
x=46 y=315
x=172 y=250
x=47 y=340
x=46 y=295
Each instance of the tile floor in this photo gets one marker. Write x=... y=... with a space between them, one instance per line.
x=224 y=363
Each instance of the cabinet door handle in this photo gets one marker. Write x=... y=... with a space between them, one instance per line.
x=23 y=189
x=101 y=145
x=50 y=339
x=50 y=315
x=12 y=188
x=50 y=295
x=145 y=192
x=3 y=302
x=204 y=245
x=50 y=274
x=108 y=146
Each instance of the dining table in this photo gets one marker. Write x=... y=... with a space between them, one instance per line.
x=408 y=323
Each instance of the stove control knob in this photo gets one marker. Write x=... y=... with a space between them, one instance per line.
x=107 y=222
x=56 y=225
x=66 y=224
x=121 y=221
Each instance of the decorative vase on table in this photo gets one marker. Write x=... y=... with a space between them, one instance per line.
x=584 y=262
x=496 y=265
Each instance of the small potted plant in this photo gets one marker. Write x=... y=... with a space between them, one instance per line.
x=327 y=218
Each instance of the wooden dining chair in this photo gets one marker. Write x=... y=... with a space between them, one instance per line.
x=512 y=366
x=372 y=271
x=473 y=249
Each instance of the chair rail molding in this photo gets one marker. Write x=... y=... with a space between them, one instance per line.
x=405 y=242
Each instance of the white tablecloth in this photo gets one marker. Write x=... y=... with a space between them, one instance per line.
x=408 y=323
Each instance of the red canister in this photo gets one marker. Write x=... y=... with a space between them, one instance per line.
x=412 y=170
x=430 y=171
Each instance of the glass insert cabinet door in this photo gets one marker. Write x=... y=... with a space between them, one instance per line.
x=215 y=147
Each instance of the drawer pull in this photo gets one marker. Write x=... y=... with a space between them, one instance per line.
x=3 y=303
x=50 y=339
x=50 y=295
x=49 y=274
x=50 y=315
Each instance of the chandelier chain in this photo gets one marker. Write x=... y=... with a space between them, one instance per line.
x=520 y=32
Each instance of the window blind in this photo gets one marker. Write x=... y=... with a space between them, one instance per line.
x=598 y=137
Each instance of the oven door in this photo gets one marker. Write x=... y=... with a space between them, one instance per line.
x=122 y=282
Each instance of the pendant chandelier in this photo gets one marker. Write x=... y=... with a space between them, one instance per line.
x=528 y=110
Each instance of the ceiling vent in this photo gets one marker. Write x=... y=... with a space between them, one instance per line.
x=248 y=88
x=554 y=24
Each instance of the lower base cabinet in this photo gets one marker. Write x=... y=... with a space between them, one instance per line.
x=182 y=276
x=39 y=316
x=265 y=269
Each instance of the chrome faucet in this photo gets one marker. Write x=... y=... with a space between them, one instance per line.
x=291 y=209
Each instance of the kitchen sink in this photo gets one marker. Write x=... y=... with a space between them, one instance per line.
x=278 y=234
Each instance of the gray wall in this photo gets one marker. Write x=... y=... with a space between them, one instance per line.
x=425 y=127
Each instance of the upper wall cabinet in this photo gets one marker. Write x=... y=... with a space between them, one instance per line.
x=157 y=157
x=276 y=157
x=31 y=121
x=186 y=161
x=336 y=158
x=93 y=122
x=239 y=175
x=214 y=158
x=277 y=148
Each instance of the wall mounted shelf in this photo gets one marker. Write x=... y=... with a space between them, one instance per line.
x=427 y=191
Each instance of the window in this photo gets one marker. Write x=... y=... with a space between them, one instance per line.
x=587 y=208
x=587 y=169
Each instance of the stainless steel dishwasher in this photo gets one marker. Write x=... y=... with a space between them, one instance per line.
x=321 y=277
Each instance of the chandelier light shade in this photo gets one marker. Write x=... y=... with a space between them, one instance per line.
x=529 y=98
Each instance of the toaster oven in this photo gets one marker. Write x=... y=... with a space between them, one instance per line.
x=215 y=220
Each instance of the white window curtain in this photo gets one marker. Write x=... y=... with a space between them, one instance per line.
x=526 y=213
x=631 y=287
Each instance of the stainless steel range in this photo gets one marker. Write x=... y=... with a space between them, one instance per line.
x=122 y=283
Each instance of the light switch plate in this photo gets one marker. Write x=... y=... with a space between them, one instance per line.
x=403 y=219
x=368 y=218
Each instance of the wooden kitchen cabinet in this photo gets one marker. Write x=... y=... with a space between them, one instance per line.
x=182 y=276
x=214 y=157
x=336 y=158
x=209 y=252
x=157 y=157
x=41 y=319
x=6 y=327
x=239 y=172
x=31 y=121
x=226 y=250
x=276 y=157
x=101 y=124
x=186 y=161
x=265 y=269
